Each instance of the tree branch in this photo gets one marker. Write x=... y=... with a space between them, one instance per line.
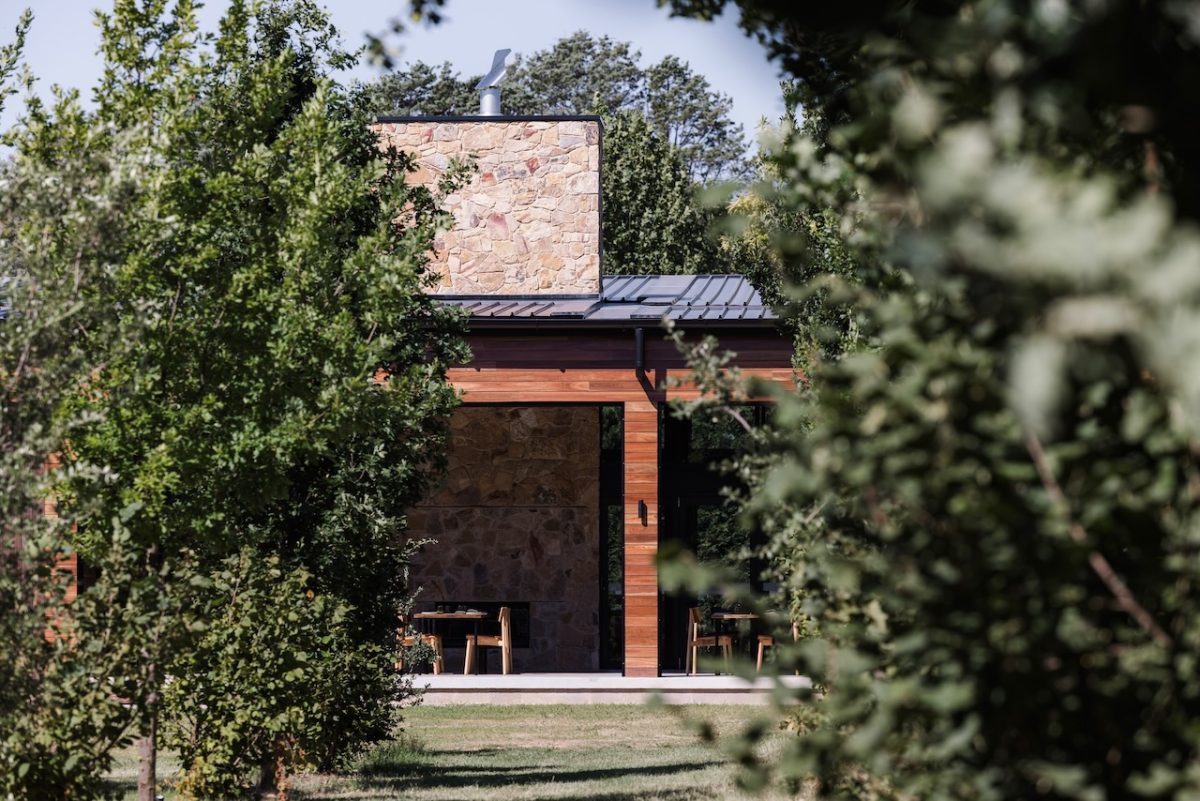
x=736 y=415
x=1099 y=564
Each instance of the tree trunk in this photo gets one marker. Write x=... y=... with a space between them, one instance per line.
x=268 y=780
x=147 y=749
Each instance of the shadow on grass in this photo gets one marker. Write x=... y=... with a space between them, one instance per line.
x=410 y=768
x=682 y=794
x=389 y=761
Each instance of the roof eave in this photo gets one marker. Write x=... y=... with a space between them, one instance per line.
x=543 y=323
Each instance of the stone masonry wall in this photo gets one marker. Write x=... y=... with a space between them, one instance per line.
x=529 y=220
x=517 y=519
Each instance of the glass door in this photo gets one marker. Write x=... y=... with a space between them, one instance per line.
x=697 y=515
x=612 y=539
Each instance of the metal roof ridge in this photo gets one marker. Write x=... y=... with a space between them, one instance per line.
x=504 y=307
x=715 y=290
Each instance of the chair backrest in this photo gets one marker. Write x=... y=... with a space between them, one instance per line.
x=694 y=622
x=506 y=625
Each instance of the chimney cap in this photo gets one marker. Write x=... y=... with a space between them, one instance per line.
x=497 y=72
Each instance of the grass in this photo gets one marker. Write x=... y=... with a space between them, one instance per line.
x=533 y=753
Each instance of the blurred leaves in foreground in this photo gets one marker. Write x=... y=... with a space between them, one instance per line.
x=983 y=496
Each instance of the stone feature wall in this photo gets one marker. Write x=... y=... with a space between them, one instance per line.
x=529 y=220
x=517 y=518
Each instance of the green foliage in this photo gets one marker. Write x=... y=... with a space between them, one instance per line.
x=792 y=245
x=967 y=641
x=987 y=502
x=578 y=74
x=76 y=675
x=71 y=676
x=284 y=284
x=575 y=75
x=424 y=89
x=276 y=682
x=687 y=113
x=651 y=221
x=213 y=310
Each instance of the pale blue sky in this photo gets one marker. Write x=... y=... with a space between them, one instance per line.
x=62 y=44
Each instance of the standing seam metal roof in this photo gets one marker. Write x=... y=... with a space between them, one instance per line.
x=634 y=298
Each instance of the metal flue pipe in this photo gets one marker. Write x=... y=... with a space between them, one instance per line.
x=489 y=86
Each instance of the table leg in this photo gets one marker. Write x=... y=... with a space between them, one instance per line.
x=480 y=653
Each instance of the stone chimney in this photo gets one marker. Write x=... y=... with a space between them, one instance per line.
x=528 y=222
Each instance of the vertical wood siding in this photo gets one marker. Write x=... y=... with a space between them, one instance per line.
x=641 y=538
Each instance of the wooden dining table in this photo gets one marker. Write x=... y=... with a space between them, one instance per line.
x=428 y=619
x=726 y=620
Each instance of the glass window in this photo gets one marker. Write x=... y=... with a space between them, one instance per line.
x=717 y=435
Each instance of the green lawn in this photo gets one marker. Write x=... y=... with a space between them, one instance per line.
x=531 y=753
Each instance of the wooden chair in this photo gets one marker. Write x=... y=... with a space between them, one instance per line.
x=434 y=641
x=695 y=642
x=503 y=642
x=766 y=641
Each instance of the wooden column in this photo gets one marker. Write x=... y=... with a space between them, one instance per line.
x=641 y=538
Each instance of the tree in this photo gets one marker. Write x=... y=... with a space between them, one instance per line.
x=986 y=503
x=693 y=118
x=424 y=89
x=651 y=222
x=578 y=75
x=278 y=390
x=789 y=242
x=274 y=682
x=72 y=672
